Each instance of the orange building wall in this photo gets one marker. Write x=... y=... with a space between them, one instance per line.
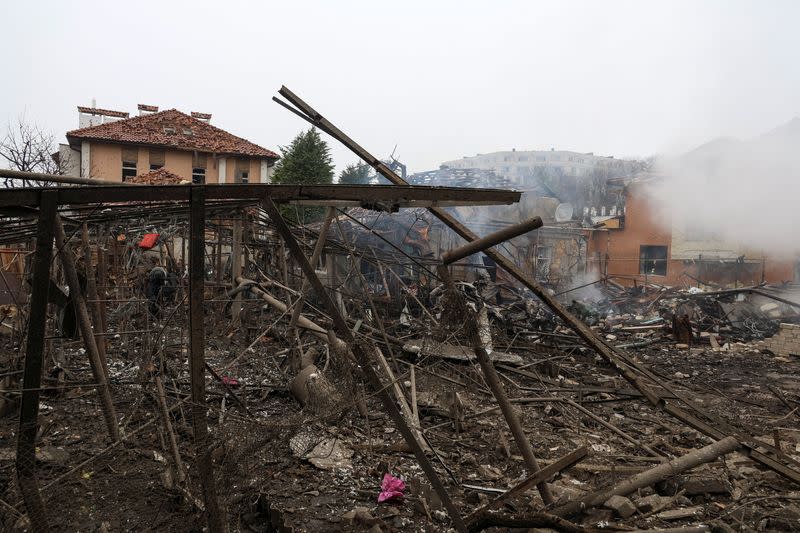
x=615 y=252
x=105 y=161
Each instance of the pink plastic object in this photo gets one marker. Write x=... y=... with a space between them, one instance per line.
x=392 y=488
x=231 y=382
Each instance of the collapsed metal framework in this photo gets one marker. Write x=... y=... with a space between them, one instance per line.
x=35 y=213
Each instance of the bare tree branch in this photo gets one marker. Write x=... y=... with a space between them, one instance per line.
x=28 y=148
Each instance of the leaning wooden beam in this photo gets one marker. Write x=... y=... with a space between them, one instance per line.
x=316 y=254
x=366 y=361
x=493 y=380
x=304 y=322
x=84 y=323
x=536 y=478
x=197 y=369
x=32 y=377
x=652 y=476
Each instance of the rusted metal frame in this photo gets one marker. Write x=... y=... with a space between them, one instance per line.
x=366 y=362
x=281 y=193
x=536 y=478
x=34 y=355
x=67 y=259
x=498 y=391
x=498 y=237
x=197 y=222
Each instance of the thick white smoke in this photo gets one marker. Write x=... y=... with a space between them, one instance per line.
x=745 y=192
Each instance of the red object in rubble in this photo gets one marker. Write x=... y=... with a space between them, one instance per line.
x=148 y=241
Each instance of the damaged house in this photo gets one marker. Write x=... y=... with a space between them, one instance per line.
x=114 y=146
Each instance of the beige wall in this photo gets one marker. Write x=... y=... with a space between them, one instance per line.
x=106 y=162
x=255 y=171
x=179 y=163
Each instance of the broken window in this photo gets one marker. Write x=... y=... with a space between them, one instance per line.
x=199 y=162
x=157 y=158
x=242 y=171
x=653 y=260
x=129 y=158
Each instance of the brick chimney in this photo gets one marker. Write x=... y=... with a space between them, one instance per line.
x=145 y=109
x=205 y=117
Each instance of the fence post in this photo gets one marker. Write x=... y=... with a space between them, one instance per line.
x=32 y=376
x=197 y=230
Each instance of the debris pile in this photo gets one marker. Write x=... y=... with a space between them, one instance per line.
x=241 y=373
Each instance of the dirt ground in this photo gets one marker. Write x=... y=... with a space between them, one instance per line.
x=265 y=485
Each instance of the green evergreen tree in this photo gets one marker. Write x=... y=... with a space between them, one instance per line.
x=358 y=174
x=306 y=161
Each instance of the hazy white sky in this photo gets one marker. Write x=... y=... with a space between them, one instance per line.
x=439 y=79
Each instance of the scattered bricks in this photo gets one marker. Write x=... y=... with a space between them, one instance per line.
x=620 y=505
x=648 y=503
x=695 y=486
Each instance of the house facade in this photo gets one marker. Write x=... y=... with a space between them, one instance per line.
x=113 y=146
x=644 y=244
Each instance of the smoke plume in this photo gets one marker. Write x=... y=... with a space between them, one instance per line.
x=741 y=192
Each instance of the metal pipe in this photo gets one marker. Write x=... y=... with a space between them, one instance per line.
x=38 y=176
x=478 y=245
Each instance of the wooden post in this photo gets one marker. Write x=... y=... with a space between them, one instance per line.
x=496 y=387
x=197 y=224
x=82 y=315
x=236 y=265
x=102 y=272
x=91 y=290
x=32 y=376
x=366 y=361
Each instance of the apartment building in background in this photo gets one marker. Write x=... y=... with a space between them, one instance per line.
x=113 y=146
x=517 y=166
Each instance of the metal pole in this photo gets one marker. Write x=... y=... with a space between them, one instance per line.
x=32 y=377
x=197 y=224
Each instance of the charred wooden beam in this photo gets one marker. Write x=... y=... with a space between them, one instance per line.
x=479 y=245
x=326 y=194
x=32 y=376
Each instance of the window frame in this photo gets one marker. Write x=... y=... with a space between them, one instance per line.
x=652 y=264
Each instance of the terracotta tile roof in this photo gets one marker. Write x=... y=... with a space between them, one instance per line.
x=106 y=112
x=145 y=107
x=172 y=129
x=160 y=176
x=201 y=116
